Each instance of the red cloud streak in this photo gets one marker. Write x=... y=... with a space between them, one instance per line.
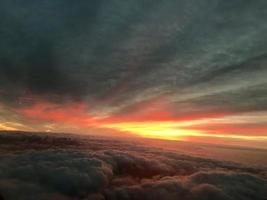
x=155 y=110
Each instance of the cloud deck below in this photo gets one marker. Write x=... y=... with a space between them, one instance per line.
x=63 y=167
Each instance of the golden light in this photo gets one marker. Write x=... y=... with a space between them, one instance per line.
x=160 y=130
x=171 y=131
x=8 y=126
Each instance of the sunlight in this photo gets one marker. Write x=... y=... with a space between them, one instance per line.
x=161 y=130
x=171 y=131
x=7 y=127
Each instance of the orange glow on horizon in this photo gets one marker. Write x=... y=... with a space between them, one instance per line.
x=144 y=122
x=75 y=114
x=172 y=131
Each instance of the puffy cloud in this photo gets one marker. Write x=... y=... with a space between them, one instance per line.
x=201 y=185
x=70 y=173
x=232 y=184
x=69 y=167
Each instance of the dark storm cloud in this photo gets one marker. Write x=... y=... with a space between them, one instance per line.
x=29 y=36
x=108 y=169
x=118 y=50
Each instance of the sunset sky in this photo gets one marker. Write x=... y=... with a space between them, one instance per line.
x=179 y=70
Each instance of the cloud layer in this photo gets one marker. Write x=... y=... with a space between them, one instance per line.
x=120 y=59
x=96 y=49
x=68 y=167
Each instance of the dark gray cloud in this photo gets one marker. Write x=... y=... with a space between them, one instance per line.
x=68 y=167
x=212 y=185
x=119 y=50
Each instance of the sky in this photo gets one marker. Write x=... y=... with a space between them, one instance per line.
x=179 y=69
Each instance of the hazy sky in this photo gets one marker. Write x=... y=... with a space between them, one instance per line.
x=177 y=69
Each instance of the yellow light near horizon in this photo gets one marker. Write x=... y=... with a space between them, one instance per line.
x=171 y=131
x=13 y=126
x=165 y=130
x=7 y=127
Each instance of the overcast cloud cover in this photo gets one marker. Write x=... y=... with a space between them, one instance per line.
x=49 y=167
x=200 y=51
x=71 y=65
